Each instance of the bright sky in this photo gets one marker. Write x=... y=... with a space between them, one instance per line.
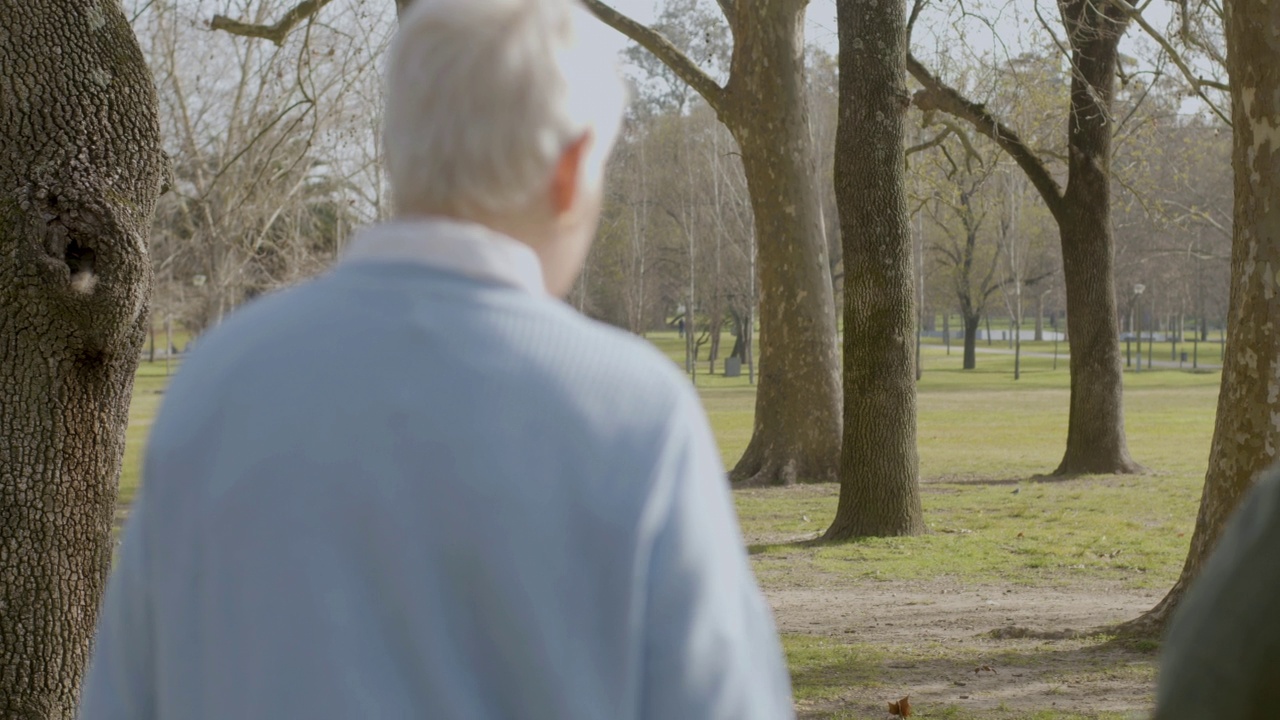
x=820 y=21
x=941 y=33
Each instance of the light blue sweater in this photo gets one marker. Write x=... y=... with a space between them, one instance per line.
x=401 y=492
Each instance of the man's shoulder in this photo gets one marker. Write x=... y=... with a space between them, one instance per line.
x=602 y=358
x=256 y=338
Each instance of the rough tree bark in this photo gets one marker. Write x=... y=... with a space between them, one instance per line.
x=797 y=422
x=80 y=169
x=879 y=469
x=1246 y=435
x=1096 y=440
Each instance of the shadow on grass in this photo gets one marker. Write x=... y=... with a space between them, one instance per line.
x=835 y=677
x=1038 y=479
x=761 y=548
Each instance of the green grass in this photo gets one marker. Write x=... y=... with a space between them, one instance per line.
x=1130 y=532
x=148 y=389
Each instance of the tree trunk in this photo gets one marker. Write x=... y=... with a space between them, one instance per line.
x=1017 y=333
x=80 y=169
x=1247 y=431
x=1039 y=337
x=879 y=488
x=740 y=336
x=765 y=106
x=1096 y=440
x=716 y=326
x=797 y=422
x=971 y=323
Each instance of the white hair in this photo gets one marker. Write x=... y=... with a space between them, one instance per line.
x=483 y=98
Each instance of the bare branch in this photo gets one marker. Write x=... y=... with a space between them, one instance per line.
x=916 y=7
x=1192 y=79
x=937 y=95
x=275 y=33
x=969 y=150
x=669 y=54
x=935 y=142
x=1202 y=216
x=1048 y=28
x=1037 y=279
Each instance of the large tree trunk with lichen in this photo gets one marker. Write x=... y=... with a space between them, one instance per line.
x=765 y=106
x=80 y=168
x=879 y=470
x=1246 y=436
x=1096 y=440
x=797 y=422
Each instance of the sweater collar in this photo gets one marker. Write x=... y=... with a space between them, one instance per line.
x=453 y=246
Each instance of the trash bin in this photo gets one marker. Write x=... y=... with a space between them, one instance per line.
x=733 y=367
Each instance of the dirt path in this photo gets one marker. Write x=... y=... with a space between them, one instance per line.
x=925 y=639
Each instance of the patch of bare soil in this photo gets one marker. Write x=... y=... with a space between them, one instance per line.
x=934 y=641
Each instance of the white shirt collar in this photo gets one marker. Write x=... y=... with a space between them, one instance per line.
x=453 y=246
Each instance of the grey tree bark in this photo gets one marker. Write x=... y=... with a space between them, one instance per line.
x=765 y=107
x=1246 y=433
x=879 y=469
x=1096 y=441
x=80 y=168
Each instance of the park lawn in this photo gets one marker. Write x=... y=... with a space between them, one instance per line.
x=983 y=440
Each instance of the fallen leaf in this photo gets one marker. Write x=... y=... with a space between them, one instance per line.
x=902 y=708
x=985 y=668
x=1019 y=534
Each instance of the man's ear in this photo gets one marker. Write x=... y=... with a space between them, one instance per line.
x=569 y=174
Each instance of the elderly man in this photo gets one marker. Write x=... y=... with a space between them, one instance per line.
x=423 y=487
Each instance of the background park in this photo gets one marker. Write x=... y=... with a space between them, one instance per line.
x=985 y=402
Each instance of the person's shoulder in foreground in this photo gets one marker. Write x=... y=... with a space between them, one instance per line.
x=1221 y=657
x=418 y=486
